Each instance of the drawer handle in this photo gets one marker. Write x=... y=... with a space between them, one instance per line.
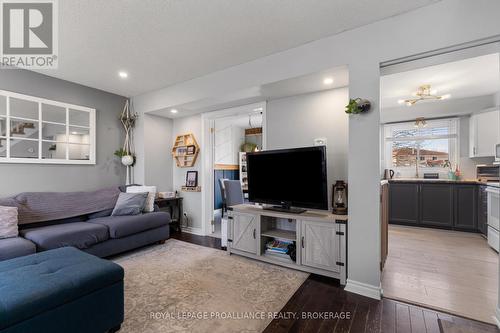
x=302 y=241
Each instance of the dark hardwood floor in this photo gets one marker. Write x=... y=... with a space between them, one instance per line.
x=322 y=305
x=195 y=239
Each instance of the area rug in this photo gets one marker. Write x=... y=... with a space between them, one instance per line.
x=182 y=287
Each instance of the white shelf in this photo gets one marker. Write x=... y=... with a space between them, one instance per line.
x=279 y=233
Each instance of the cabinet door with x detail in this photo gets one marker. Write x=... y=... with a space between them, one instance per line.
x=319 y=245
x=245 y=232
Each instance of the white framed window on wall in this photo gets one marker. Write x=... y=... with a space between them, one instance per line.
x=414 y=148
x=38 y=130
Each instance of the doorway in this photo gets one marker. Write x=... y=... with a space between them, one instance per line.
x=228 y=134
x=440 y=121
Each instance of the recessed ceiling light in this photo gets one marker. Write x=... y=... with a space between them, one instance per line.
x=401 y=101
x=123 y=74
x=174 y=111
x=328 y=80
x=446 y=96
x=74 y=133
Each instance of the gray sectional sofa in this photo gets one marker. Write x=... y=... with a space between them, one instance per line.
x=96 y=232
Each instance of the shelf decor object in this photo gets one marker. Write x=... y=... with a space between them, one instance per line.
x=357 y=105
x=185 y=150
x=191 y=189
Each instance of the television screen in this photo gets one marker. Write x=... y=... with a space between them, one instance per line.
x=289 y=177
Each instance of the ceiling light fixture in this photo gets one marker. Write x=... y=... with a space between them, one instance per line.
x=420 y=122
x=173 y=111
x=424 y=93
x=328 y=80
x=123 y=74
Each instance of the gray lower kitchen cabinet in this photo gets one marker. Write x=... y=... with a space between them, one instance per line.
x=403 y=203
x=482 y=210
x=436 y=205
x=442 y=205
x=465 y=197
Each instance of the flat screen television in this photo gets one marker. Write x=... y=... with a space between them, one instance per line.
x=288 y=178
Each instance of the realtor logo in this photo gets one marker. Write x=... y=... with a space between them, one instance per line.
x=29 y=34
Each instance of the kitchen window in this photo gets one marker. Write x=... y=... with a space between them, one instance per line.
x=412 y=150
x=37 y=130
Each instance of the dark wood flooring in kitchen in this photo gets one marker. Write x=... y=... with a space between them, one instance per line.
x=321 y=296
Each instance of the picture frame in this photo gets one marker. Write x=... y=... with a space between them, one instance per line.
x=192 y=179
x=191 y=149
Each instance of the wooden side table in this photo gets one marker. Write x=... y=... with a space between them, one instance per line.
x=174 y=207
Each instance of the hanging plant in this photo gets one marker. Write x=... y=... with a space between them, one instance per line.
x=128 y=120
x=127 y=159
x=357 y=105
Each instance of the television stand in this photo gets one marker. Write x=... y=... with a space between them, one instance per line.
x=319 y=237
x=286 y=209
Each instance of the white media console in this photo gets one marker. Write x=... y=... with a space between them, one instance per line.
x=320 y=238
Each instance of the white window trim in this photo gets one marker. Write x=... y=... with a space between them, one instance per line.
x=454 y=151
x=67 y=107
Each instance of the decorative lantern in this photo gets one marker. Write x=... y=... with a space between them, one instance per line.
x=339 y=198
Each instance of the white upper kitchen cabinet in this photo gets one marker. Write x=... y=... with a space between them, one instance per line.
x=484 y=133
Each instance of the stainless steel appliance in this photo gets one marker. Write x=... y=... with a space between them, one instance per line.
x=493 y=191
x=497 y=153
x=488 y=173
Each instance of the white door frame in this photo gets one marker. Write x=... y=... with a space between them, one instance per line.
x=207 y=167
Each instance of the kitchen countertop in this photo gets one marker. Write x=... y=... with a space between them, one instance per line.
x=440 y=181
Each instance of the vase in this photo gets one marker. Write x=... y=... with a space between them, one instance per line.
x=127 y=160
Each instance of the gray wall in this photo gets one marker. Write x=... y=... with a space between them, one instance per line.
x=296 y=121
x=192 y=200
x=157 y=152
x=15 y=178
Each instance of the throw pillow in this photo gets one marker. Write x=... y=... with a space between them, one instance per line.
x=8 y=222
x=130 y=204
x=150 y=201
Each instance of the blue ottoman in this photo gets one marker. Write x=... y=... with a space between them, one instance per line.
x=61 y=290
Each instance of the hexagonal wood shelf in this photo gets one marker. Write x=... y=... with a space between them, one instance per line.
x=185 y=150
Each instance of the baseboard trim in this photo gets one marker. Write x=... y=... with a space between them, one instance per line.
x=363 y=289
x=496 y=317
x=194 y=231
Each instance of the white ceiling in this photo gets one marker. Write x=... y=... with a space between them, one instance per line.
x=280 y=89
x=163 y=42
x=478 y=76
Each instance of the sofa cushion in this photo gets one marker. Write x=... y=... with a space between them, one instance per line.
x=15 y=247
x=149 y=205
x=130 y=204
x=78 y=234
x=122 y=226
x=38 y=283
x=8 y=222
x=102 y=213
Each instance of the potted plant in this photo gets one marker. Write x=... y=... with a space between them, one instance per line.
x=357 y=105
x=126 y=158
